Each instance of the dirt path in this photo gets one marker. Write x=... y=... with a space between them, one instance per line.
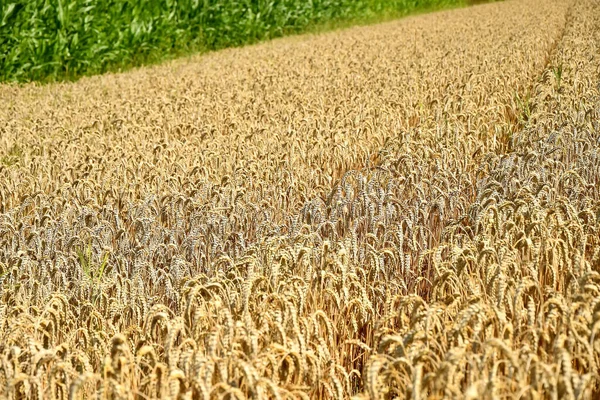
x=404 y=209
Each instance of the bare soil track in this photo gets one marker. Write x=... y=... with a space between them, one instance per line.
x=409 y=210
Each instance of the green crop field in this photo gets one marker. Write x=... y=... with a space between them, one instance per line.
x=63 y=39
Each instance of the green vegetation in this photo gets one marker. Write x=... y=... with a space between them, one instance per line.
x=86 y=260
x=64 y=39
x=558 y=73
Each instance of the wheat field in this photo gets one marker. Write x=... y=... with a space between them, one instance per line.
x=409 y=210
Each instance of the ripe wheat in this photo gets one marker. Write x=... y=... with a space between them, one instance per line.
x=410 y=210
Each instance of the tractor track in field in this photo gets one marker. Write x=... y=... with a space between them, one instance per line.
x=406 y=209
